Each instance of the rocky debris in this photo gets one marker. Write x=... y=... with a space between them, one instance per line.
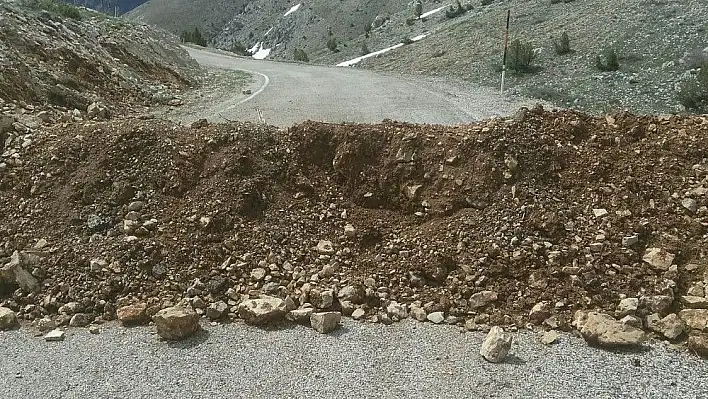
x=627 y=306
x=694 y=302
x=8 y=319
x=671 y=326
x=94 y=330
x=603 y=330
x=696 y=319
x=496 y=345
x=14 y=273
x=45 y=324
x=482 y=299
x=97 y=110
x=396 y=311
x=698 y=344
x=322 y=299
x=436 y=317
x=358 y=314
x=133 y=315
x=55 y=335
x=263 y=310
x=324 y=247
x=217 y=310
x=300 y=316
x=549 y=337
x=79 y=320
x=176 y=323
x=325 y=322
x=658 y=258
x=418 y=313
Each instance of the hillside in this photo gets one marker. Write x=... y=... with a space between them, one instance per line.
x=107 y=6
x=659 y=43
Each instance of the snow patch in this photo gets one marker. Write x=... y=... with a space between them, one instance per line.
x=261 y=54
x=431 y=12
x=293 y=9
x=379 y=52
x=268 y=31
x=255 y=48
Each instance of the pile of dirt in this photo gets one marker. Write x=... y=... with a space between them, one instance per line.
x=479 y=221
x=55 y=63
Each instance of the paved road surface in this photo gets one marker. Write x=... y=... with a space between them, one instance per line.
x=288 y=93
x=406 y=360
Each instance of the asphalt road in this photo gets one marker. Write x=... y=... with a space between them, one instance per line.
x=405 y=360
x=288 y=93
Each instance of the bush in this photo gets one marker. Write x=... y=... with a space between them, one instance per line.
x=418 y=11
x=194 y=36
x=694 y=93
x=520 y=56
x=410 y=21
x=332 y=44
x=607 y=61
x=562 y=46
x=487 y=2
x=300 y=55
x=364 y=49
x=238 y=48
x=407 y=40
x=56 y=7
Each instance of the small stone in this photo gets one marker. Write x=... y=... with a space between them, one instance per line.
x=301 y=316
x=496 y=345
x=628 y=241
x=358 y=314
x=470 y=325
x=698 y=344
x=8 y=319
x=349 y=231
x=217 y=310
x=262 y=311
x=258 y=273
x=696 y=290
x=94 y=330
x=657 y=304
x=658 y=258
x=627 y=306
x=549 y=337
x=419 y=313
x=46 y=324
x=176 y=323
x=595 y=247
x=603 y=330
x=132 y=314
x=396 y=311
x=323 y=299
x=136 y=206
x=540 y=312
x=631 y=320
x=436 y=317
x=325 y=247
x=600 y=212
x=55 y=335
x=352 y=293
x=689 y=204
x=325 y=322
x=79 y=320
x=482 y=299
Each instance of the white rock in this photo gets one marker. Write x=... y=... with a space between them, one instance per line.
x=418 y=313
x=176 y=323
x=658 y=258
x=627 y=306
x=262 y=311
x=8 y=319
x=325 y=247
x=690 y=204
x=600 y=212
x=496 y=345
x=258 y=273
x=549 y=337
x=325 y=322
x=482 y=299
x=604 y=330
x=358 y=314
x=55 y=335
x=436 y=317
x=349 y=231
x=396 y=310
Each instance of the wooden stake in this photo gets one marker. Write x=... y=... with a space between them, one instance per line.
x=506 y=43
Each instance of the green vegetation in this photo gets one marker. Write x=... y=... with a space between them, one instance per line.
x=487 y=2
x=332 y=44
x=300 y=55
x=56 y=7
x=194 y=36
x=562 y=46
x=694 y=93
x=607 y=61
x=520 y=56
x=364 y=49
x=407 y=40
x=418 y=10
x=238 y=48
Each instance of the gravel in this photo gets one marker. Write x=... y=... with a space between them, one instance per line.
x=407 y=359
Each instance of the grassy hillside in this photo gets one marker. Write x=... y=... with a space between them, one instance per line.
x=659 y=43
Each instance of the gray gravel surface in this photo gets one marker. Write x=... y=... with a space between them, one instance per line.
x=288 y=93
x=405 y=360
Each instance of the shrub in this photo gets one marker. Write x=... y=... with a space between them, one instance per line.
x=300 y=55
x=407 y=40
x=53 y=6
x=520 y=56
x=562 y=46
x=332 y=44
x=194 y=36
x=418 y=10
x=607 y=61
x=238 y=48
x=487 y=2
x=364 y=49
x=457 y=11
x=410 y=21
x=694 y=93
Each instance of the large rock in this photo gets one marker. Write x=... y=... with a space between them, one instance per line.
x=540 y=312
x=694 y=302
x=300 y=316
x=396 y=311
x=8 y=319
x=14 y=274
x=325 y=322
x=133 y=315
x=263 y=310
x=696 y=319
x=436 y=317
x=496 y=345
x=670 y=326
x=627 y=306
x=603 y=330
x=217 y=310
x=322 y=299
x=176 y=323
x=698 y=344
x=482 y=299
x=658 y=258
x=352 y=293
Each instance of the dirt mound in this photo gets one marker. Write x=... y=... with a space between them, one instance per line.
x=480 y=221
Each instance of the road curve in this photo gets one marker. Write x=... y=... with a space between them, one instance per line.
x=288 y=93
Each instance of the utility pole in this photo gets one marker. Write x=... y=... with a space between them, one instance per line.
x=506 y=43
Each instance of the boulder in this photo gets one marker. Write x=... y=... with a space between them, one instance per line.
x=396 y=311
x=80 y=320
x=627 y=306
x=176 y=323
x=322 y=299
x=263 y=310
x=217 y=310
x=8 y=319
x=14 y=274
x=132 y=315
x=436 y=317
x=358 y=314
x=540 y=312
x=696 y=319
x=698 y=344
x=658 y=258
x=418 y=313
x=352 y=293
x=670 y=326
x=482 y=299
x=603 y=330
x=325 y=322
x=694 y=302
x=300 y=316
x=496 y=345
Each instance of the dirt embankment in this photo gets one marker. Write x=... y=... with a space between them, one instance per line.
x=480 y=221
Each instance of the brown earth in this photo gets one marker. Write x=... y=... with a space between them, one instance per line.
x=440 y=212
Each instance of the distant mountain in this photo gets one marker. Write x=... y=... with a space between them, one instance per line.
x=108 y=6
